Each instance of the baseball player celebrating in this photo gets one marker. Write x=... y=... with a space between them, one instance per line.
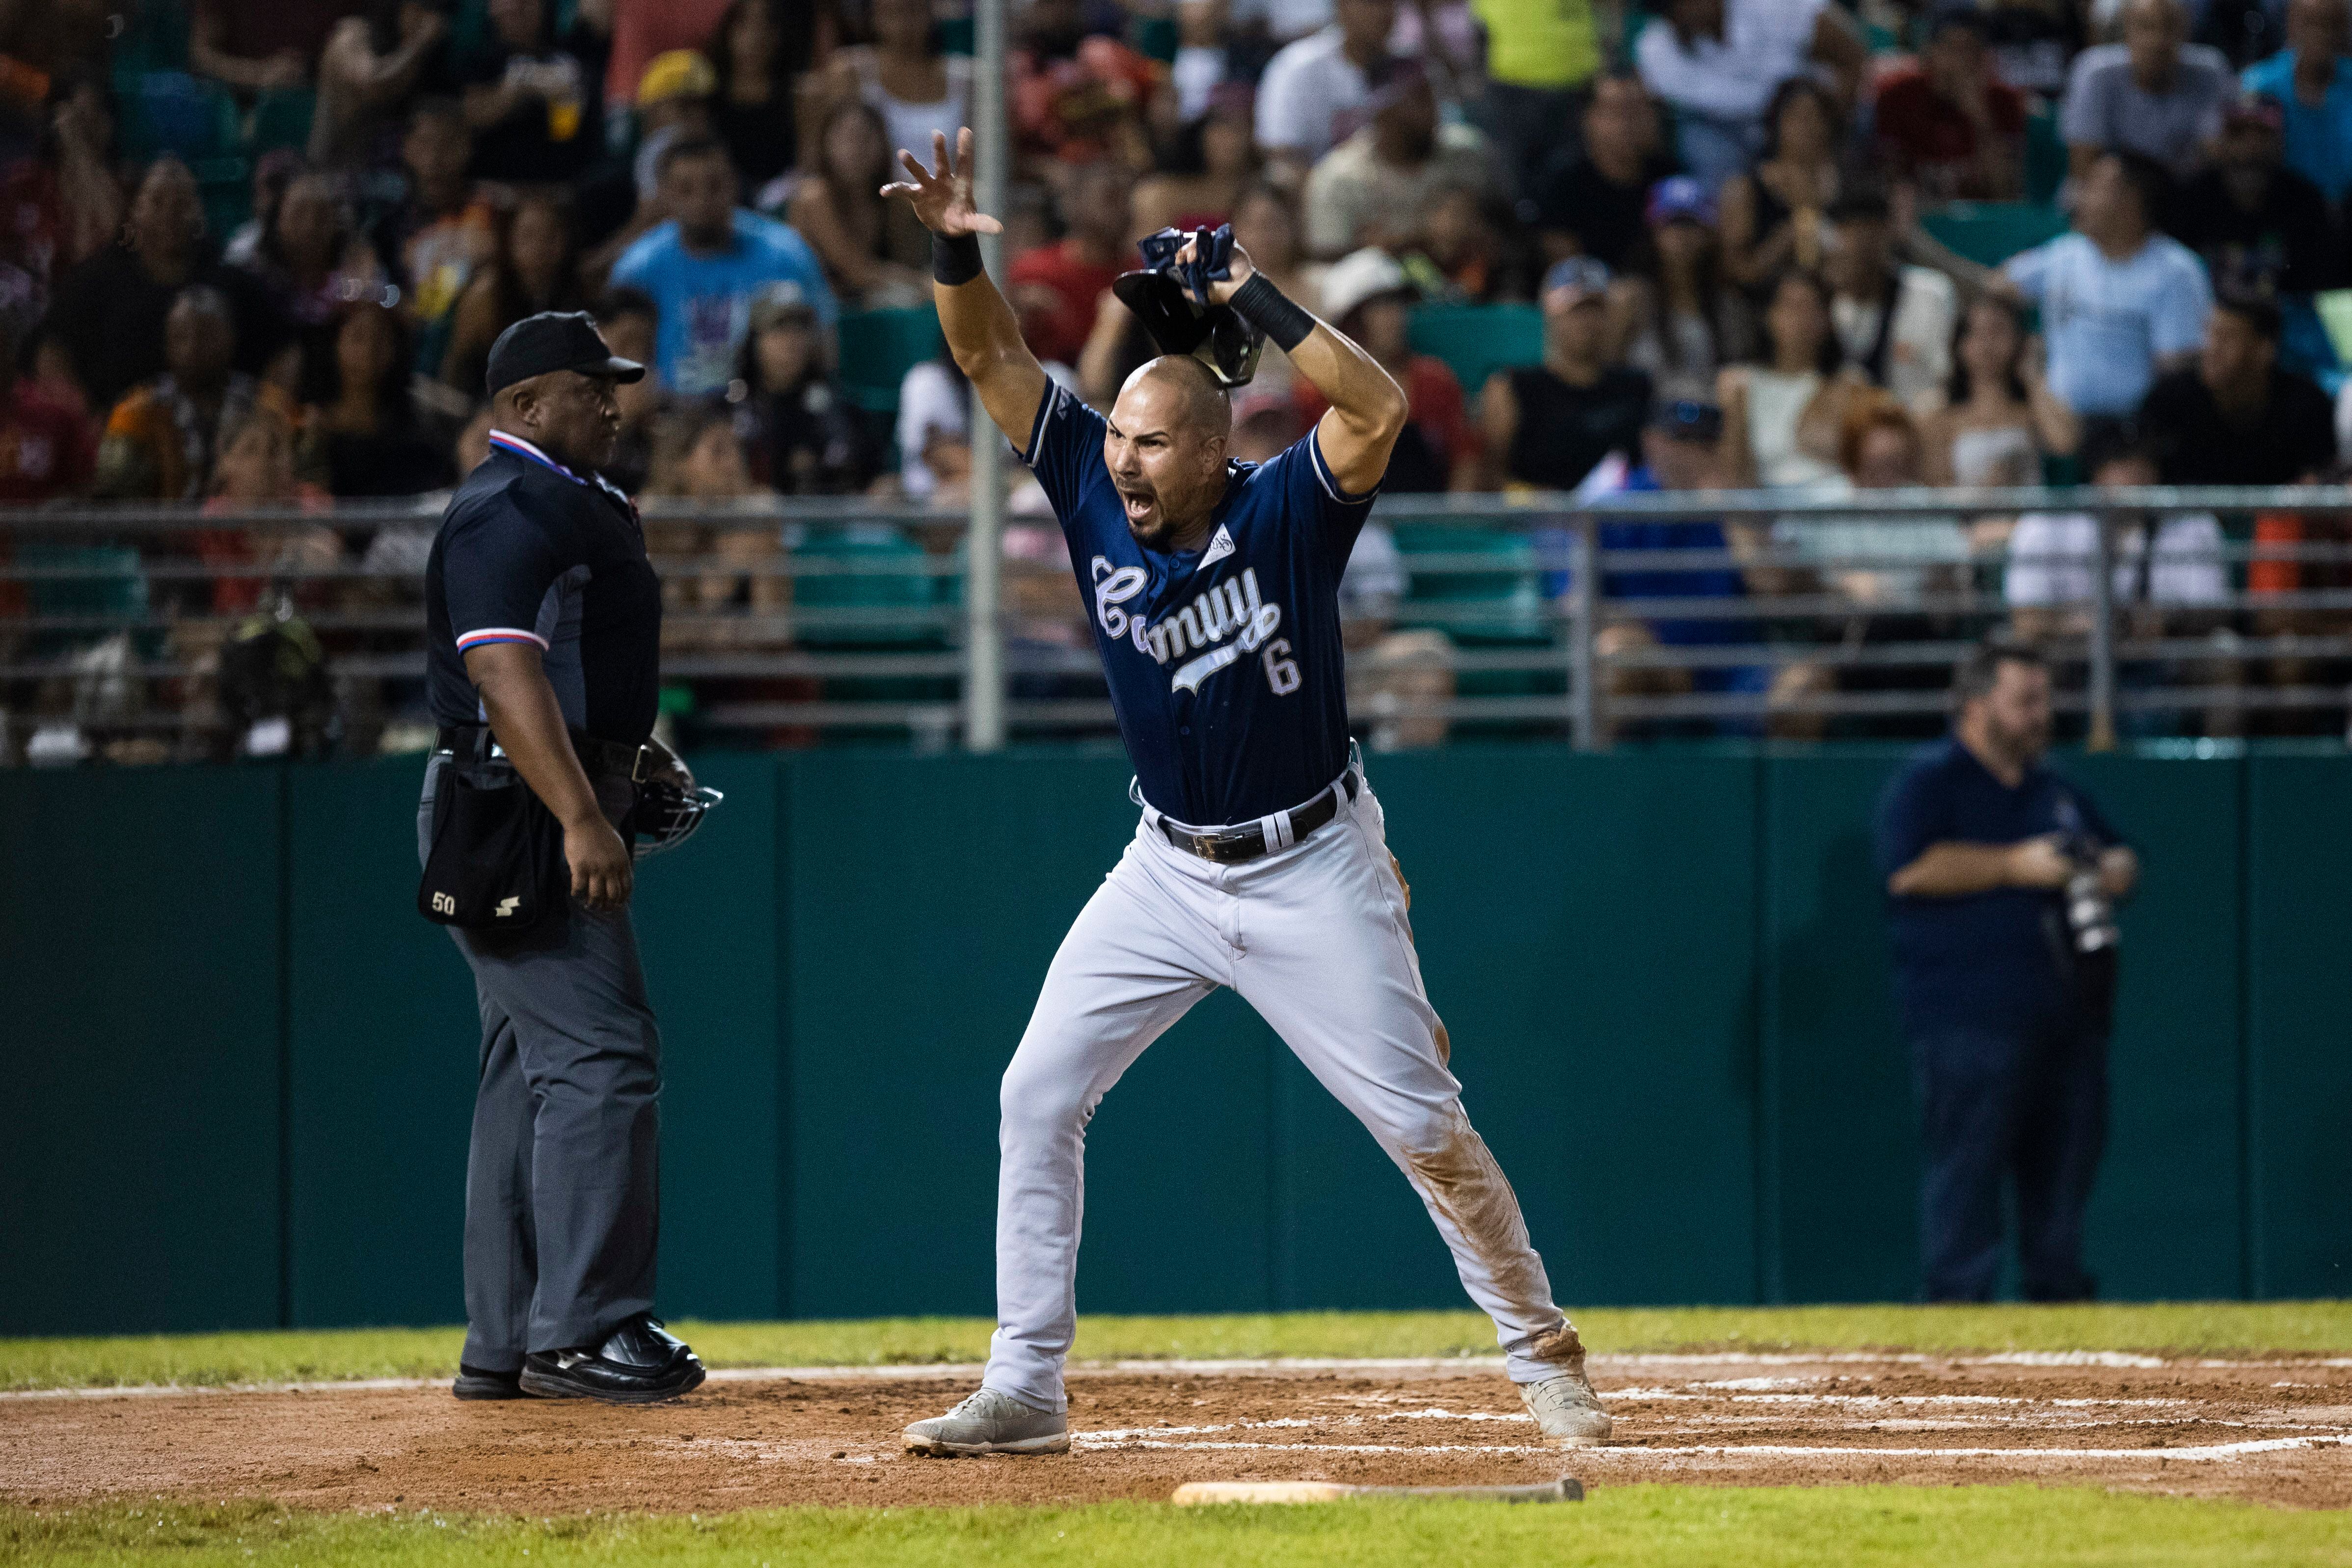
x=1261 y=861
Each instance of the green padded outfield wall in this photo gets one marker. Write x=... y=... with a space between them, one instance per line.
x=141 y=1127
x=241 y=1067
x=2298 y=994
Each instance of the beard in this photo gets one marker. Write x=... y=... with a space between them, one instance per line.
x=2026 y=742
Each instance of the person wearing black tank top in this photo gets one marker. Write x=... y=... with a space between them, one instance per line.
x=1549 y=425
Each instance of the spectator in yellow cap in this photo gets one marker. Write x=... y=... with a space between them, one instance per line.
x=673 y=99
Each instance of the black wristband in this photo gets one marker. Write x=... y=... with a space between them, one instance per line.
x=955 y=259
x=1271 y=311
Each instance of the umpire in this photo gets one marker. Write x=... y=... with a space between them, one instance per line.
x=543 y=624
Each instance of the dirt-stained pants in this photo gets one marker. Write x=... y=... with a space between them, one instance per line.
x=1314 y=937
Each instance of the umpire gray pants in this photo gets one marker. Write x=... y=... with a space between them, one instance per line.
x=563 y=1180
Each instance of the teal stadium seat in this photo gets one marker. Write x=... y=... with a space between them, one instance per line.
x=226 y=186
x=2045 y=157
x=154 y=37
x=1485 y=609
x=879 y=347
x=870 y=545
x=282 y=118
x=1498 y=606
x=913 y=592
x=1989 y=233
x=1474 y=340
x=172 y=111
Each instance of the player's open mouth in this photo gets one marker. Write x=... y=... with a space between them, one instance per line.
x=1139 y=504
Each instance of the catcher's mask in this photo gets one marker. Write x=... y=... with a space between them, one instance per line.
x=1172 y=301
x=667 y=815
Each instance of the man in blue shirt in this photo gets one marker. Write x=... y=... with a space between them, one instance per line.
x=2004 y=987
x=2308 y=79
x=1679 y=452
x=703 y=267
x=2121 y=304
x=1261 y=861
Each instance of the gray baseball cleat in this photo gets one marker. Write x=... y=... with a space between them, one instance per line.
x=1566 y=1410
x=991 y=1423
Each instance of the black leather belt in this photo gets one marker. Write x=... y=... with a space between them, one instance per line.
x=1230 y=845
x=609 y=759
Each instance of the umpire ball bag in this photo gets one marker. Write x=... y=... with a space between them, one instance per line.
x=497 y=859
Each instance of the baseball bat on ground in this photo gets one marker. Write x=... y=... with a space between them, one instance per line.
x=1568 y=1488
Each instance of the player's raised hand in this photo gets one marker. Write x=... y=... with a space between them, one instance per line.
x=1238 y=271
x=941 y=196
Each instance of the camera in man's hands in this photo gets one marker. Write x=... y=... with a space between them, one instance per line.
x=2090 y=912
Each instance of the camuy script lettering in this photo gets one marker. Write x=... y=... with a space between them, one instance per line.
x=1234 y=608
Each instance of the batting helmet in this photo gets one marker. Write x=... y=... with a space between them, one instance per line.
x=1173 y=303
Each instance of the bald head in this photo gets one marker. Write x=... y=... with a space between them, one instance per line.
x=1199 y=403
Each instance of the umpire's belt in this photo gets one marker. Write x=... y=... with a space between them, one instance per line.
x=605 y=759
x=1229 y=844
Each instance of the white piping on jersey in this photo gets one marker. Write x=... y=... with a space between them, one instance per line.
x=1329 y=481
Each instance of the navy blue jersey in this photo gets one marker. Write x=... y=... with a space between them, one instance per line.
x=1224 y=662
x=530 y=552
x=1997 y=959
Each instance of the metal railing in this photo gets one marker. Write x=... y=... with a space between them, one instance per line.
x=796 y=621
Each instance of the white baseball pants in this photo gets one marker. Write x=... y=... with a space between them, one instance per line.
x=1314 y=937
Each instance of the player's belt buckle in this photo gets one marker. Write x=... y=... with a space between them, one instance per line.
x=1206 y=844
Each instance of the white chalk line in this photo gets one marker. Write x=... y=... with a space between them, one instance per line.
x=2206 y=1454
x=1304 y=1422
x=948 y=1372
x=1652 y=1394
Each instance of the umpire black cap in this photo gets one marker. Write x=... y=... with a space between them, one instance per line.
x=553 y=340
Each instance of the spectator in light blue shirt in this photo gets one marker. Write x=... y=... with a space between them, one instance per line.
x=2309 y=81
x=704 y=266
x=2121 y=304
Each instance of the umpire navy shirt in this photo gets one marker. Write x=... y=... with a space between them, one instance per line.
x=529 y=552
x=1224 y=662
x=1997 y=959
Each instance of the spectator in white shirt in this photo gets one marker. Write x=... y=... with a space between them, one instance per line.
x=1376 y=187
x=1312 y=96
x=1894 y=321
x=2154 y=94
x=1716 y=63
x=2162 y=571
x=934 y=430
x=1283 y=21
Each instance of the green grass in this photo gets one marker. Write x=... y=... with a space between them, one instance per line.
x=2298 y=1328
x=1625 y=1527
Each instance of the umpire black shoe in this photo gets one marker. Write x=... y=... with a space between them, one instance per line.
x=473 y=1382
x=640 y=1363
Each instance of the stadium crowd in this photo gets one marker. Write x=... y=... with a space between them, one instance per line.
x=256 y=251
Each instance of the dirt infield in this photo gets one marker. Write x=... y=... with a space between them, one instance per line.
x=2278 y=1431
